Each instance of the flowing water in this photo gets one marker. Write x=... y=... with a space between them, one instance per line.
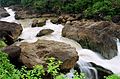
x=85 y=55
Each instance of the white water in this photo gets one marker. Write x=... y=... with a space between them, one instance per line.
x=10 y=18
x=85 y=55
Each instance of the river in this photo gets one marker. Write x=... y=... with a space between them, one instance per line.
x=85 y=55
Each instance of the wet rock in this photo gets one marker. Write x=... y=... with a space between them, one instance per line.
x=116 y=19
x=34 y=23
x=37 y=23
x=61 y=19
x=97 y=36
x=45 y=32
x=55 y=21
x=12 y=51
x=102 y=72
x=14 y=54
x=3 y=13
x=10 y=31
x=35 y=53
x=42 y=23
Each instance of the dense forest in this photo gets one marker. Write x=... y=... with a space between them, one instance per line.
x=89 y=8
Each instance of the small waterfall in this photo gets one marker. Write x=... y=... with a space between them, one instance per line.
x=86 y=68
x=10 y=18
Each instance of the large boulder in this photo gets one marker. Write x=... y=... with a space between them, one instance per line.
x=10 y=31
x=3 y=12
x=35 y=53
x=97 y=36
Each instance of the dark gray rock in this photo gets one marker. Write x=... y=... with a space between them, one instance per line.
x=45 y=32
x=102 y=72
x=10 y=31
x=3 y=13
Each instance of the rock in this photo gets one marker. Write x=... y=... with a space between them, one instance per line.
x=12 y=51
x=54 y=21
x=35 y=53
x=37 y=23
x=61 y=19
x=116 y=19
x=34 y=23
x=45 y=32
x=3 y=13
x=10 y=31
x=16 y=7
x=26 y=14
x=42 y=23
x=97 y=36
x=48 y=15
x=102 y=72
x=14 y=54
x=70 y=19
x=78 y=16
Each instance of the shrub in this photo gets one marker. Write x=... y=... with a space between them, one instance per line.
x=7 y=70
x=2 y=44
x=113 y=77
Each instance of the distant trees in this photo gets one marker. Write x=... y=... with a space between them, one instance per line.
x=9 y=2
x=89 y=8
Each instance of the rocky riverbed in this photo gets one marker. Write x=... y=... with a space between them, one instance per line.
x=97 y=36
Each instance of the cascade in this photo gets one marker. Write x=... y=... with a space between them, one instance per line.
x=85 y=55
x=10 y=18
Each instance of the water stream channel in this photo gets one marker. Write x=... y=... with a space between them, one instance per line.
x=85 y=55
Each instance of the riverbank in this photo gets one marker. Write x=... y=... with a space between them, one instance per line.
x=29 y=12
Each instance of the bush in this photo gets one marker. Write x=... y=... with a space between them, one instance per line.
x=7 y=70
x=113 y=77
x=2 y=44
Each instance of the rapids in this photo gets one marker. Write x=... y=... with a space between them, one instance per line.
x=85 y=55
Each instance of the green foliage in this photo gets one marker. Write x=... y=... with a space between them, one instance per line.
x=100 y=7
x=26 y=3
x=77 y=76
x=8 y=2
x=2 y=44
x=89 y=8
x=53 y=66
x=113 y=77
x=7 y=70
x=37 y=72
